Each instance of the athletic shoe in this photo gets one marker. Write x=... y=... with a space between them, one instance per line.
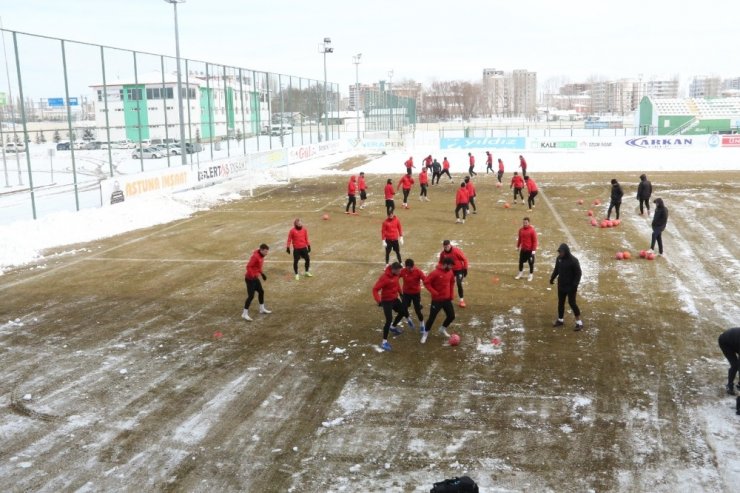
x=475 y=212
x=264 y=310
x=421 y=198
x=579 y=326
x=424 y=336
x=411 y=323
x=346 y=212
x=462 y=304
x=443 y=332
x=308 y=274
x=245 y=315
x=362 y=207
x=558 y=323
x=529 y=277
x=426 y=198
x=423 y=329
x=463 y=221
x=353 y=214
x=515 y=201
x=457 y=220
x=519 y=276
x=385 y=346
x=297 y=277
x=396 y=331
x=730 y=390
x=529 y=210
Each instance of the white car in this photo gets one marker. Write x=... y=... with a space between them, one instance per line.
x=167 y=149
x=15 y=147
x=148 y=153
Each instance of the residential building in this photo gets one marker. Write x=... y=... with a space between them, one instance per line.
x=705 y=87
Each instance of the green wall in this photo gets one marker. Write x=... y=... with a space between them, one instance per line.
x=646 y=115
x=709 y=126
x=254 y=103
x=674 y=121
x=135 y=114
x=206 y=113
x=230 y=108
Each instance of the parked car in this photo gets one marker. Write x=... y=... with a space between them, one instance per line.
x=92 y=145
x=63 y=146
x=78 y=145
x=147 y=153
x=167 y=149
x=15 y=147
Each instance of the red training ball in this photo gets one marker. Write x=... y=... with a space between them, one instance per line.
x=597 y=202
x=619 y=256
x=590 y=213
x=454 y=340
x=506 y=205
x=325 y=217
x=594 y=222
x=627 y=255
x=604 y=223
x=651 y=256
x=643 y=253
x=580 y=201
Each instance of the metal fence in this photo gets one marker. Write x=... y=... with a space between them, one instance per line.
x=74 y=113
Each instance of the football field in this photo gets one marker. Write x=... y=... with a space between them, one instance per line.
x=126 y=365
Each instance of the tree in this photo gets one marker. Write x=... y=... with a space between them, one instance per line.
x=16 y=139
x=72 y=136
x=88 y=135
x=57 y=138
x=38 y=138
x=197 y=135
x=239 y=135
x=42 y=137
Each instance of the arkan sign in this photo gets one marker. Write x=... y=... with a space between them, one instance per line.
x=660 y=143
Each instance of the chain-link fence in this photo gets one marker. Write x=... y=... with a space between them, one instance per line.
x=74 y=113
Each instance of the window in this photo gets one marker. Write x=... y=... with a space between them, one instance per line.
x=152 y=93
x=134 y=94
x=168 y=93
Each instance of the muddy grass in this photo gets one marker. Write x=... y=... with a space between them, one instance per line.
x=126 y=366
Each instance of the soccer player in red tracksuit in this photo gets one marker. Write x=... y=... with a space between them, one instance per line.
x=362 y=186
x=526 y=243
x=446 y=168
x=390 y=205
x=351 y=191
x=409 y=163
x=517 y=184
x=523 y=165
x=461 y=203
x=471 y=193
x=411 y=293
x=471 y=161
x=441 y=285
x=252 y=278
x=459 y=266
x=405 y=185
x=424 y=184
x=428 y=162
x=385 y=292
x=500 y=173
x=532 y=191
x=392 y=235
x=298 y=237
x=489 y=162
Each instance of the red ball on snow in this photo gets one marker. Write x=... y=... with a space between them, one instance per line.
x=590 y=213
x=325 y=217
x=597 y=202
x=609 y=223
x=604 y=223
x=651 y=256
x=617 y=222
x=627 y=255
x=454 y=340
x=643 y=253
x=619 y=256
x=594 y=222
x=507 y=205
x=580 y=201
x=498 y=185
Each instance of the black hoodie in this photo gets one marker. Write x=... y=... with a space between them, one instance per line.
x=660 y=218
x=644 y=189
x=567 y=270
x=617 y=193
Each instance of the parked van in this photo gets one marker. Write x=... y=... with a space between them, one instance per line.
x=15 y=147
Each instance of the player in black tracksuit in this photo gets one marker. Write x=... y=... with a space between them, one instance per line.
x=660 y=220
x=616 y=198
x=729 y=343
x=644 y=191
x=568 y=272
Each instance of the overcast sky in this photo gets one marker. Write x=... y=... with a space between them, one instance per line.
x=417 y=40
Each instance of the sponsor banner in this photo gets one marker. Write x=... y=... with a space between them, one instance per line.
x=269 y=159
x=221 y=169
x=666 y=142
x=301 y=153
x=125 y=187
x=549 y=144
x=730 y=141
x=382 y=143
x=483 y=143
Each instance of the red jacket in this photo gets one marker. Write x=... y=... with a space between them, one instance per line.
x=361 y=184
x=471 y=189
x=386 y=287
x=352 y=185
x=522 y=164
x=424 y=177
x=254 y=266
x=445 y=164
x=489 y=160
x=412 y=280
x=440 y=284
x=471 y=160
x=517 y=182
x=527 y=238
x=460 y=262
x=406 y=181
x=531 y=186
x=410 y=163
x=500 y=165
x=389 y=192
x=428 y=161
x=298 y=237
x=391 y=229
x=462 y=197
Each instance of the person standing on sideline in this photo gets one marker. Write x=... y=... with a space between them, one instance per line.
x=351 y=191
x=461 y=203
x=405 y=185
x=489 y=162
x=362 y=186
x=436 y=172
x=459 y=266
x=298 y=237
x=385 y=292
x=500 y=173
x=523 y=165
x=660 y=220
x=644 y=191
x=729 y=343
x=615 y=201
x=428 y=162
x=409 y=163
x=411 y=293
x=252 y=278
x=517 y=184
x=532 y=192
x=446 y=168
x=392 y=235
x=471 y=162
x=390 y=205
x=568 y=272
x=471 y=193
x=441 y=285
x=424 y=184
x=526 y=243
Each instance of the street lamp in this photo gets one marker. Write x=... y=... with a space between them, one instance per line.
x=325 y=48
x=356 y=61
x=183 y=147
